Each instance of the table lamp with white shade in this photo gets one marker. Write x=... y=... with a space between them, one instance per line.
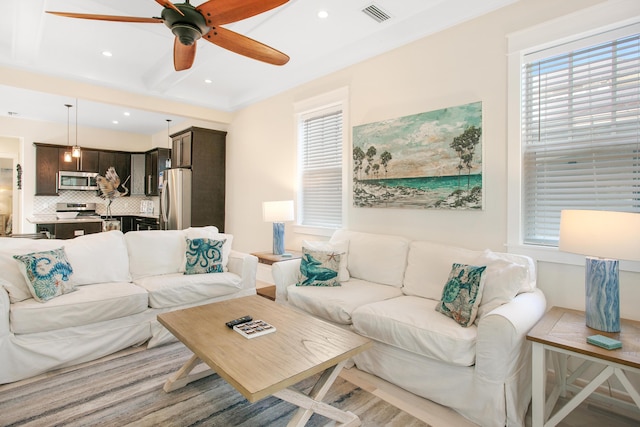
x=278 y=212
x=605 y=237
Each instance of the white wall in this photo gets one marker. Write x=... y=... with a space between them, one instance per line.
x=464 y=64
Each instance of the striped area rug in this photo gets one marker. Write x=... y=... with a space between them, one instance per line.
x=127 y=391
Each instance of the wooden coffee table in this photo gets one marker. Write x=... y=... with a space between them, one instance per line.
x=267 y=365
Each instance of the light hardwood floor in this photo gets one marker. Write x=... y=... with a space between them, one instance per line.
x=589 y=414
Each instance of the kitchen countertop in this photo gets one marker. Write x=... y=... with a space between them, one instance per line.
x=138 y=214
x=53 y=219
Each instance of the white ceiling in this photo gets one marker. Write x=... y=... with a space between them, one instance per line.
x=142 y=61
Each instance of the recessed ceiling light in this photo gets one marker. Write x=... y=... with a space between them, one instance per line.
x=115 y=122
x=126 y=113
x=208 y=81
x=107 y=53
x=323 y=14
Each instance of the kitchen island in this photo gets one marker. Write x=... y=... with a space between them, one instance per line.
x=66 y=228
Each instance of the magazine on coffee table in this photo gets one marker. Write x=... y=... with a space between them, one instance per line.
x=255 y=328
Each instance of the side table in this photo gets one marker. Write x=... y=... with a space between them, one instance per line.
x=268 y=258
x=563 y=332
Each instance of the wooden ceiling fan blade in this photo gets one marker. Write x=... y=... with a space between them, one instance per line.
x=246 y=46
x=107 y=17
x=170 y=5
x=220 y=12
x=183 y=55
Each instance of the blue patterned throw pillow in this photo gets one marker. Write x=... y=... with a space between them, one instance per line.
x=48 y=273
x=318 y=268
x=462 y=293
x=204 y=256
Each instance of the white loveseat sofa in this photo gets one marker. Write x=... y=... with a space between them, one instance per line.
x=123 y=282
x=482 y=371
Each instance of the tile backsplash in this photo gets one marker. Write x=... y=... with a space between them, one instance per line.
x=120 y=205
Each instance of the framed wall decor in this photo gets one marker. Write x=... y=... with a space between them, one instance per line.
x=430 y=160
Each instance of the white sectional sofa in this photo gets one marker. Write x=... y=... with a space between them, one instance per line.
x=482 y=371
x=123 y=282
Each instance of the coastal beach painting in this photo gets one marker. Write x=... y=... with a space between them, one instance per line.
x=429 y=160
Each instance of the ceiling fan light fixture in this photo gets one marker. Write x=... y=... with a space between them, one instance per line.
x=187 y=34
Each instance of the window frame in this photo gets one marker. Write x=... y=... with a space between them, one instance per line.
x=336 y=98
x=592 y=24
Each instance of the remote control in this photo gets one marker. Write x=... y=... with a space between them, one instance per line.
x=239 y=321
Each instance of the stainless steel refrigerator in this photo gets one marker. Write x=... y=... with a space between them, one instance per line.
x=175 y=199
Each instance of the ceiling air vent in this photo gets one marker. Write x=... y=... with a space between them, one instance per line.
x=376 y=13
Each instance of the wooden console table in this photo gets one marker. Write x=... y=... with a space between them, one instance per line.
x=563 y=332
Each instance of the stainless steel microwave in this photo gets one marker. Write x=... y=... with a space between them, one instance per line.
x=72 y=180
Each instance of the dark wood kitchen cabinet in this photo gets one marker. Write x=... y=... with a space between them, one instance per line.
x=204 y=151
x=121 y=162
x=87 y=162
x=69 y=230
x=181 y=150
x=46 y=170
x=155 y=163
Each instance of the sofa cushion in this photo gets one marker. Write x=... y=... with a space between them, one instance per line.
x=203 y=256
x=411 y=323
x=47 y=273
x=89 y=304
x=504 y=280
x=153 y=252
x=11 y=278
x=428 y=267
x=98 y=258
x=169 y=290
x=319 y=268
x=375 y=258
x=462 y=293
x=337 y=303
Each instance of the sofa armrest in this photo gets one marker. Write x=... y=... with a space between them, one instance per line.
x=285 y=273
x=502 y=345
x=244 y=265
x=4 y=312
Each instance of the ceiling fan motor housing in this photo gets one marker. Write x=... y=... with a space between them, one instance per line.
x=187 y=28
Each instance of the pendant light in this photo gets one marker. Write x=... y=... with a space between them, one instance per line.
x=67 y=154
x=167 y=162
x=75 y=151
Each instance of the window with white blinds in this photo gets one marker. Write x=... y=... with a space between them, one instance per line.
x=321 y=144
x=581 y=134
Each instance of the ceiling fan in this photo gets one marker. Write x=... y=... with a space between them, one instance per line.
x=189 y=23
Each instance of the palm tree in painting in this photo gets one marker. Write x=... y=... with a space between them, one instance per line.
x=465 y=145
x=385 y=158
x=358 y=157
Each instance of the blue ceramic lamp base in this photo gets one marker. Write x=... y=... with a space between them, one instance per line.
x=278 y=238
x=602 y=294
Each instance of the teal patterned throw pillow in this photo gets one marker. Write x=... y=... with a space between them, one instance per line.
x=204 y=256
x=462 y=293
x=318 y=268
x=48 y=273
